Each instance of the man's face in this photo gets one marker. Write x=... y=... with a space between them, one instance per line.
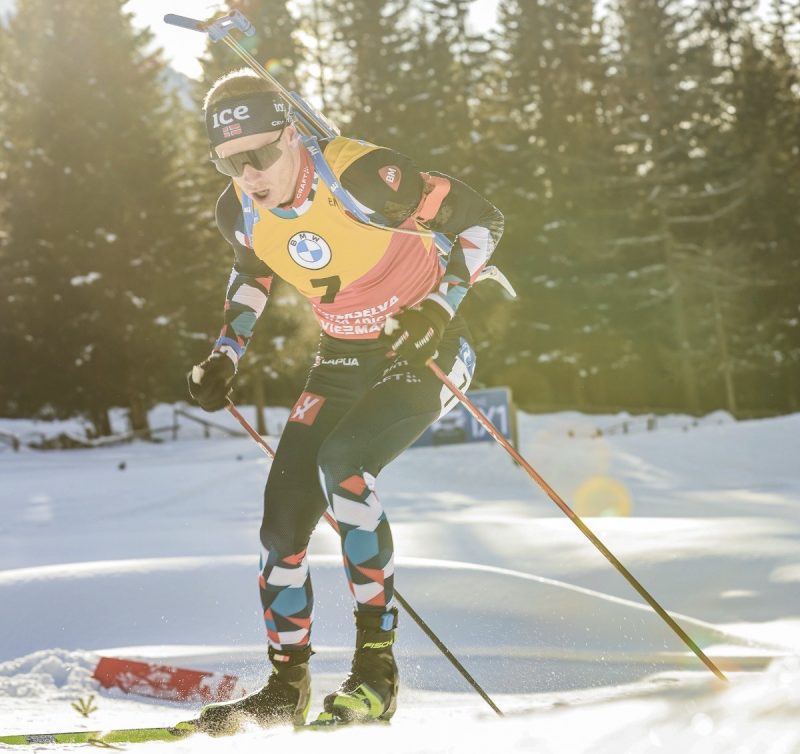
x=275 y=185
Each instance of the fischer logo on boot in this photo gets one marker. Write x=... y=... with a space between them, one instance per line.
x=377 y=644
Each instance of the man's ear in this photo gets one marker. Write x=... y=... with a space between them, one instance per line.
x=292 y=135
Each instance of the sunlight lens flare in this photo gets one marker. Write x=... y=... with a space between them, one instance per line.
x=276 y=66
x=603 y=496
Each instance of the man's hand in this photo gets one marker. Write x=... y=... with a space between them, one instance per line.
x=210 y=381
x=415 y=332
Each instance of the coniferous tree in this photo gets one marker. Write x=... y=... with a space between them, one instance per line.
x=404 y=77
x=92 y=251
x=664 y=125
x=649 y=172
x=364 y=46
x=440 y=89
x=764 y=140
x=724 y=276
x=691 y=186
x=544 y=146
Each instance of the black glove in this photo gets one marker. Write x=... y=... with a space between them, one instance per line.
x=415 y=332
x=210 y=381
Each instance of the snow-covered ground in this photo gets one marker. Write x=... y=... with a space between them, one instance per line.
x=150 y=551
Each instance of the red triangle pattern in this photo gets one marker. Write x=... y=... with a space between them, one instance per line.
x=295 y=559
x=373 y=574
x=354 y=484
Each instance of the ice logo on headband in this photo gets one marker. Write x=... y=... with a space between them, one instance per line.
x=244 y=115
x=229 y=114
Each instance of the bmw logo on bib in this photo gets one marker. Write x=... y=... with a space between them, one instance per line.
x=309 y=250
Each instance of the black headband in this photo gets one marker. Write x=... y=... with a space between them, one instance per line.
x=247 y=114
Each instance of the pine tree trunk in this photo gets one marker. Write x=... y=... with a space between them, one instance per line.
x=722 y=339
x=579 y=391
x=687 y=370
x=793 y=380
x=100 y=422
x=137 y=415
x=688 y=375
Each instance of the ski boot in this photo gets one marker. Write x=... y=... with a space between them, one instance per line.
x=370 y=691
x=284 y=700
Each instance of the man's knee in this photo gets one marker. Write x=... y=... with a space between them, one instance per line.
x=288 y=523
x=335 y=461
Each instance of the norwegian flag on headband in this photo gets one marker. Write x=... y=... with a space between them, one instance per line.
x=233 y=130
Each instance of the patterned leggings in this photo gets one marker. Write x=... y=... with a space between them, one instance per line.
x=357 y=413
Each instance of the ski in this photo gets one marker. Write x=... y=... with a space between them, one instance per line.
x=327 y=721
x=101 y=738
x=142 y=735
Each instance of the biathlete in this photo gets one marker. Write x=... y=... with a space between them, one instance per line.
x=386 y=301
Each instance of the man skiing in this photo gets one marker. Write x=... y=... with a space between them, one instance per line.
x=386 y=302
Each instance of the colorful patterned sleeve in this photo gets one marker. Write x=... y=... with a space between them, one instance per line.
x=244 y=303
x=453 y=208
x=249 y=283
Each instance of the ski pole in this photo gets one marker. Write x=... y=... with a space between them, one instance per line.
x=575 y=518
x=415 y=616
x=220 y=30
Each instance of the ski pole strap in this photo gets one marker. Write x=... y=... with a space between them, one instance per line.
x=331 y=181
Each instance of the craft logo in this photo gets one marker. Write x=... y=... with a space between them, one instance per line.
x=391 y=176
x=229 y=115
x=306 y=409
x=309 y=250
x=301 y=189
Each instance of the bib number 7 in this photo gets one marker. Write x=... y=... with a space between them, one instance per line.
x=331 y=285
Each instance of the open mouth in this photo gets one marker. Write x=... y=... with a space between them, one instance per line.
x=260 y=195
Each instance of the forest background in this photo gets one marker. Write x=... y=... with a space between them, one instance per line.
x=645 y=154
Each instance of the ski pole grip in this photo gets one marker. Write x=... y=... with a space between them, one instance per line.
x=184 y=22
x=241 y=22
x=220 y=28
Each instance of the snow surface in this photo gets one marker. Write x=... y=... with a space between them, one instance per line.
x=149 y=551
